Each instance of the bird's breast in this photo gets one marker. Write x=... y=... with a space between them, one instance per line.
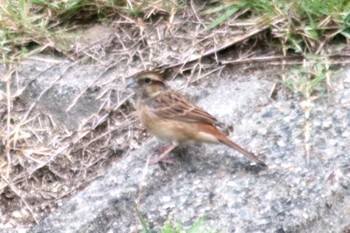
x=177 y=131
x=166 y=129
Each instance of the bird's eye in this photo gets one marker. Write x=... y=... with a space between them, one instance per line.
x=147 y=80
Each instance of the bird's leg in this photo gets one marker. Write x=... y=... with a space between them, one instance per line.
x=161 y=148
x=164 y=156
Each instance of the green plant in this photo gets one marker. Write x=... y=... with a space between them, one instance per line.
x=169 y=227
x=226 y=13
x=307 y=25
x=197 y=226
x=25 y=31
x=311 y=78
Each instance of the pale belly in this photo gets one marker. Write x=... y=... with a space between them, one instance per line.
x=170 y=131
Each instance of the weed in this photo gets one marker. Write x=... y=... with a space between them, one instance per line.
x=311 y=78
x=307 y=26
x=169 y=227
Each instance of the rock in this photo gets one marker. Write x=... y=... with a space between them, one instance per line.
x=214 y=181
x=63 y=91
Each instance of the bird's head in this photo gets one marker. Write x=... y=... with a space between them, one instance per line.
x=147 y=84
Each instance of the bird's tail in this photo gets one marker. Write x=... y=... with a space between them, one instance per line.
x=235 y=146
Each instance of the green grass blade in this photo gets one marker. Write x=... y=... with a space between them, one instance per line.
x=144 y=223
x=214 y=9
x=229 y=12
x=197 y=226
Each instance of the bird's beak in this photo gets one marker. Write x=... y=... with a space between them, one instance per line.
x=131 y=84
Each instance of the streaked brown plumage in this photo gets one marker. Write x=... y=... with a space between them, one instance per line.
x=170 y=117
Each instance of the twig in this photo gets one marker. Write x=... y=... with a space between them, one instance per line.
x=118 y=128
x=87 y=87
x=284 y=60
x=60 y=151
x=14 y=189
x=259 y=28
x=44 y=91
x=292 y=63
x=261 y=59
x=141 y=183
x=8 y=121
x=208 y=73
x=193 y=7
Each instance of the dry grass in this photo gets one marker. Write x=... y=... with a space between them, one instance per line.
x=42 y=164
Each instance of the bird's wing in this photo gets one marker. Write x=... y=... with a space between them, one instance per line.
x=172 y=105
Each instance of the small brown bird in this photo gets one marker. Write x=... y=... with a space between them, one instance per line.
x=171 y=117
